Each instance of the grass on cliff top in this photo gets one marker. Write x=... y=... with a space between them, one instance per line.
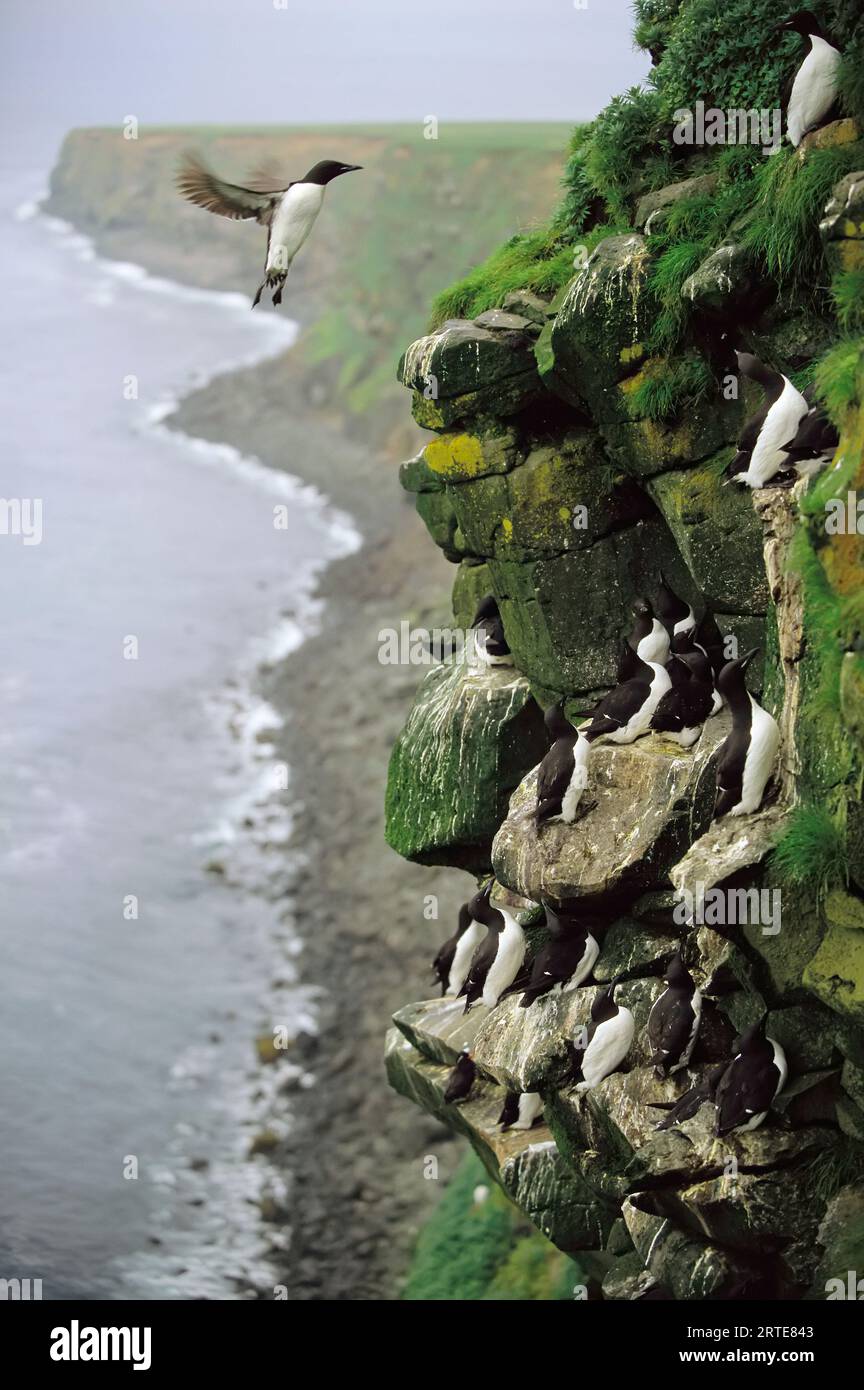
x=472 y=1252
x=726 y=56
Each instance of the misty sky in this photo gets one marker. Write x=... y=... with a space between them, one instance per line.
x=85 y=62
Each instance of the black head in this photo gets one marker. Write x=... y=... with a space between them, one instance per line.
x=668 y=602
x=557 y=723
x=730 y=681
x=750 y=366
x=750 y=1040
x=604 y=1006
x=482 y=909
x=328 y=169
x=677 y=975
x=486 y=608
x=801 y=22
x=642 y=608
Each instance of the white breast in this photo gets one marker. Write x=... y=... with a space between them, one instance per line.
x=292 y=223
x=687 y=624
x=530 y=1106
x=760 y=759
x=578 y=780
x=778 y=428
x=814 y=90
x=654 y=646
x=508 y=960
x=607 y=1049
x=465 y=948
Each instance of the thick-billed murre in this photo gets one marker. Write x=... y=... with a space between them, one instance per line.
x=752 y=1080
x=814 y=89
x=288 y=213
x=565 y=961
x=673 y=1023
x=761 y=446
x=563 y=773
x=749 y=752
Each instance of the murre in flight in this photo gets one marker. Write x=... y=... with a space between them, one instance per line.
x=649 y=638
x=686 y=1106
x=521 y=1110
x=749 y=752
x=565 y=961
x=673 y=1023
x=461 y=1078
x=288 y=213
x=490 y=644
x=675 y=615
x=761 y=447
x=683 y=710
x=610 y=1034
x=499 y=958
x=625 y=713
x=814 y=90
x=815 y=444
x=562 y=776
x=450 y=966
x=752 y=1080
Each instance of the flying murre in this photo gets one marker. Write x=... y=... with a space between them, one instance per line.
x=749 y=752
x=499 y=957
x=766 y=434
x=750 y=1083
x=288 y=213
x=673 y=1023
x=565 y=961
x=563 y=773
x=814 y=89
x=450 y=966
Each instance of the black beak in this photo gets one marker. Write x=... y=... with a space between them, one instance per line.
x=748 y=657
x=351 y=168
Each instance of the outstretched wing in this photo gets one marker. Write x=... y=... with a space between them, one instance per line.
x=200 y=185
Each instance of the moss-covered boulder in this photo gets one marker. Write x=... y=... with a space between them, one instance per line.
x=718 y=534
x=610 y=850
x=601 y=326
x=843 y=225
x=465 y=369
x=470 y=736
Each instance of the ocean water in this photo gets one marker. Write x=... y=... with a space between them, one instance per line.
x=145 y=865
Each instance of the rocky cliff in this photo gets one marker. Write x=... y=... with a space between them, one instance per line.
x=581 y=413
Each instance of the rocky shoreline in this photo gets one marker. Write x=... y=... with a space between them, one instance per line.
x=354 y=1159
